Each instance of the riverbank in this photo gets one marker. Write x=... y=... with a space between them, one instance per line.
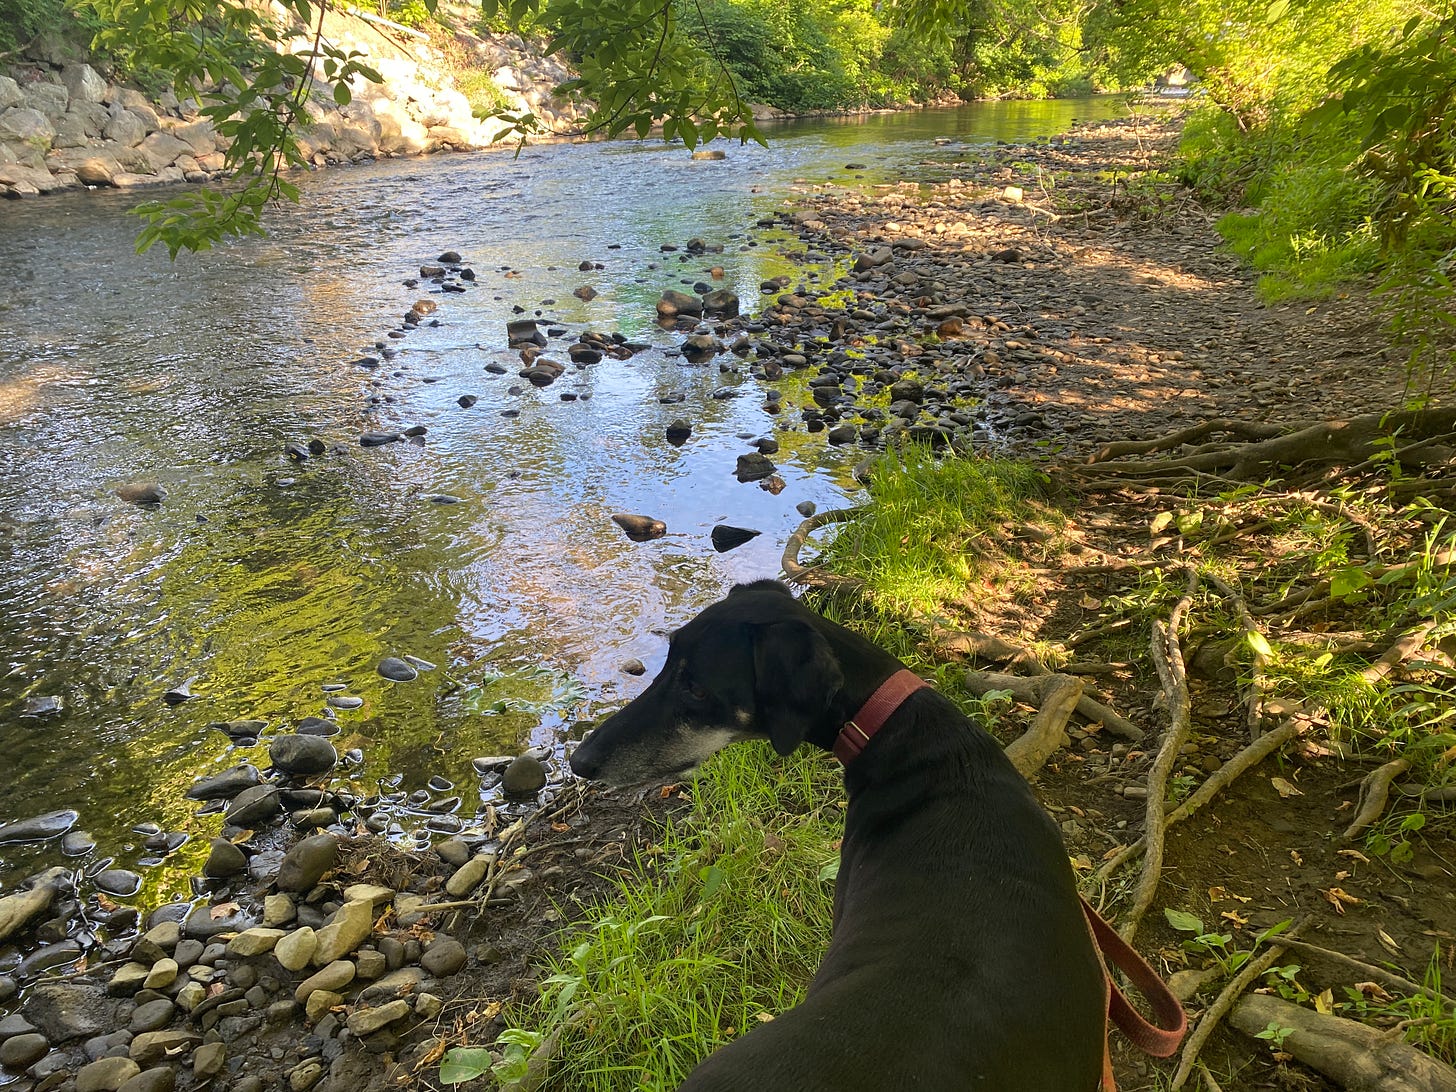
x=942 y=335
x=64 y=126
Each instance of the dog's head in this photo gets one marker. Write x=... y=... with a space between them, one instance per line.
x=753 y=665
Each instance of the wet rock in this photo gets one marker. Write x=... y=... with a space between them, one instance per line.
x=254 y=806
x=8 y=988
x=675 y=303
x=226 y=785
x=633 y=666
x=396 y=670
x=345 y=701
x=14 y=1024
x=141 y=493
x=379 y=439
x=239 y=729
x=307 y=861
x=348 y=929
x=697 y=348
x=302 y=756
x=121 y=882
x=20 y=908
x=106 y=1074
x=23 y=1051
x=204 y=924
x=678 y=431
x=295 y=951
x=754 y=466
x=59 y=954
x=721 y=302
x=224 y=860
x=586 y=293
x=47 y=706
x=63 y=1011
x=525 y=775
x=726 y=537
x=443 y=957
x=38 y=828
x=640 y=528
x=176 y=695
x=709 y=155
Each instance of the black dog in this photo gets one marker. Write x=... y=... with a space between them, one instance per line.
x=960 y=957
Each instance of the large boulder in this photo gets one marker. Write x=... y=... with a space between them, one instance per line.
x=84 y=83
x=10 y=94
x=50 y=99
x=199 y=135
x=125 y=127
x=27 y=125
x=162 y=149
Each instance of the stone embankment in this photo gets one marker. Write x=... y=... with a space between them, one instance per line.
x=63 y=125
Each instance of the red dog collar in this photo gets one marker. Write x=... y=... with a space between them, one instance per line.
x=873 y=714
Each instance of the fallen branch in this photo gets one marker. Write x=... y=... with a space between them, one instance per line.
x=812 y=576
x=1215 y=1012
x=1168 y=658
x=1027 y=690
x=1375 y=795
x=1031 y=750
x=1371 y=971
x=1357 y=1057
x=1407 y=645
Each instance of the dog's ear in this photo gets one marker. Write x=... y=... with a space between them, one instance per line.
x=795 y=679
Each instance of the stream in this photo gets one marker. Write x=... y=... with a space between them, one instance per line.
x=262 y=580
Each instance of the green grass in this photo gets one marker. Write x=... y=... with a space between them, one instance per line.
x=917 y=547
x=717 y=927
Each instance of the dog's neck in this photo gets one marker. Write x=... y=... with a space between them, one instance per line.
x=865 y=668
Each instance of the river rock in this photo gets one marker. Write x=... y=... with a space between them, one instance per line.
x=379 y=439
x=151 y=1047
x=396 y=670
x=162 y=1078
x=278 y=910
x=163 y=973
x=525 y=775
x=678 y=431
x=254 y=806
x=224 y=860
x=207 y=1061
x=709 y=155
x=18 y=909
x=586 y=293
x=350 y=927
x=640 y=528
x=45 y=706
x=121 y=882
x=127 y=979
x=675 y=303
x=443 y=957
x=726 y=538
x=332 y=978
x=302 y=756
x=468 y=876
x=364 y=1022
x=721 y=302
x=203 y=924
x=151 y=1016
x=63 y=1011
x=38 y=828
x=141 y=492
x=753 y=467
x=307 y=861
x=106 y=1074
x=295 y=951
x=255 y=942
x=226 y=785
x=23 y=1051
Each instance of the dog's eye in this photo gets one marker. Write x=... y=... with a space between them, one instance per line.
x=696 y=692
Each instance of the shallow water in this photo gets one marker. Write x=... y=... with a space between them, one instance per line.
x=266 y=579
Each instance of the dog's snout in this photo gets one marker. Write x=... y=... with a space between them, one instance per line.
x=583 y=764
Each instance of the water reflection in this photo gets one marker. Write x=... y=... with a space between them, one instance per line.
x=267 y=578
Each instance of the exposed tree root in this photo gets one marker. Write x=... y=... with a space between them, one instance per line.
x=1328 y=444
x=1356 y=1056
x=1370 y=971
x=1168 y=657
x=1375 y=795
x=1215 y=1012
x=812 y=576
x=1030 y=751
x=1028 y=690
x=1405 y=647
x=1259 y=683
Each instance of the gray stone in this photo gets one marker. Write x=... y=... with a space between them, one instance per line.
x=121 y=882
x=23 y=1051
x=202 y=925
x=674 y=302
x=84 y=83
x=754 y=466
x=307 y=862
x=525 y=775
x=106 y=1074
x=225 y=860
x=721 y=302
x=8 y=988
x=128 y=978
x=401 y=983
x=9 y=93
x=226 y=785
x=370 y=965
x=50 y=99
x=396 y=670
x=38 y=828
x=367 y=1021
x=726 y=537
x=207 y=1061
x=97 y=170
x=253 y=806
x=162 y=149
x=468 y=876
x=163 y=973
x=14 y=1024
x=163 y=1078
x=125 y=128
x=302 y=756
x=151 y=1016
x=444 y=957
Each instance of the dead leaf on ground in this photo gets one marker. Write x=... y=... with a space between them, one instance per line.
x=1340 y=899
x=1325 y=1002
x=1284 y=788
x=222 y=910
x=1387 y=941
x=431 y=1056
x=1353 y=854
x=1235 y=917
x=1374 y=991
x=1296 y=858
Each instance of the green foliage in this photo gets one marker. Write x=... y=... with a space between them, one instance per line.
x=1428 y=1022
x=21 y=21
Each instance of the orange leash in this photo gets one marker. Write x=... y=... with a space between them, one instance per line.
x=1160 y=1039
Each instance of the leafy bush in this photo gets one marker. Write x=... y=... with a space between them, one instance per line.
x=23 y=20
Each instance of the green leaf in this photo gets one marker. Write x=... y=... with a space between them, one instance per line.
x=1276 y=11
x=342 y=95
x=1182 y=921
x=830 y=872
x=1348 y=581
x=462 y=1064
x=1259 y=644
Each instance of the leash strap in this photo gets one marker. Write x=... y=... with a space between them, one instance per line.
x=1160 y=1039
x=872 y=715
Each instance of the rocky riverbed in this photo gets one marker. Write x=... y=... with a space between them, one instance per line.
x=321 y=949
